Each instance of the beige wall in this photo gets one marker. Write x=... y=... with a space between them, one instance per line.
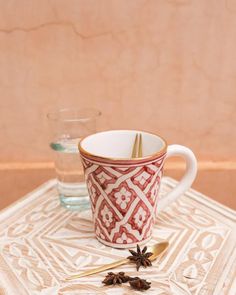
x=168 y=66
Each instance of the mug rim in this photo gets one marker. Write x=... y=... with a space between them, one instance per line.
x=130 y=160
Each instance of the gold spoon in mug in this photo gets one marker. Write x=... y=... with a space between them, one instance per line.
x=156 y=249
x=137 y=146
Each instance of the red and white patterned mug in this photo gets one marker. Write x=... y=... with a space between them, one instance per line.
x=124 y=190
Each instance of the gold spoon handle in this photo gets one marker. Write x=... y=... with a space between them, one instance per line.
x=98 y=269
x=140 y=146
x=137 y=147
x=134 y=151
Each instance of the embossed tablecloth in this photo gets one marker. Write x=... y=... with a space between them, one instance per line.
x=42 y=243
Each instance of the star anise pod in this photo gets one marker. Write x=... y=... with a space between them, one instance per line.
x=139 y=284
x=115 y=278
x=140 y=257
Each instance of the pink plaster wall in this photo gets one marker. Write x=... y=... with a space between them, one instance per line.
x=168 y=66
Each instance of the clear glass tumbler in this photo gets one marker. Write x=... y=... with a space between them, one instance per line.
x=68 y=126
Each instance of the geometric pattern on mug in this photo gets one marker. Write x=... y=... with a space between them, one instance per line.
x=123 y=200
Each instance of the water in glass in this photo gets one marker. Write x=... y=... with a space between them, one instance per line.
x=71 y=186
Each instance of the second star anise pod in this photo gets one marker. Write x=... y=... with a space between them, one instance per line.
x=115 y=278
x=139 y=284
x=140 y=257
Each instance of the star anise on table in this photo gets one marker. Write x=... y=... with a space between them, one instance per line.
x=115 y=278
x=139 y=284
x=140 y=257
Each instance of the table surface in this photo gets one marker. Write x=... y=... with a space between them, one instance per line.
x=42 y=243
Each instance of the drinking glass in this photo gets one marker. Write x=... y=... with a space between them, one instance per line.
x=68 y=126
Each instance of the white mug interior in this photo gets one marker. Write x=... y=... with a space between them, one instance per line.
x=118 y=144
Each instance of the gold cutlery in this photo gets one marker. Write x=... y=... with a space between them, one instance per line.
x=137 y=147
x=156 y=249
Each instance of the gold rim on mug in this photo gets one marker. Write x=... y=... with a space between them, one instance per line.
x=148 y=157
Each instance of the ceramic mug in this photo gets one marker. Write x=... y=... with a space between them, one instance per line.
x=124 y=190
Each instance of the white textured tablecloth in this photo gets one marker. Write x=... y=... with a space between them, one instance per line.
x=41 y=243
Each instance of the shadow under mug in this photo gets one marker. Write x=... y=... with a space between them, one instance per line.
x=124 y=190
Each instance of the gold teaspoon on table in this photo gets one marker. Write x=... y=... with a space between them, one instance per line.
x=156 y=249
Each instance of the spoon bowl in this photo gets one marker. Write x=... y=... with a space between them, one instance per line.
x=157 y=249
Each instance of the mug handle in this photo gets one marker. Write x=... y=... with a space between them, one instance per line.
x=188 y=178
